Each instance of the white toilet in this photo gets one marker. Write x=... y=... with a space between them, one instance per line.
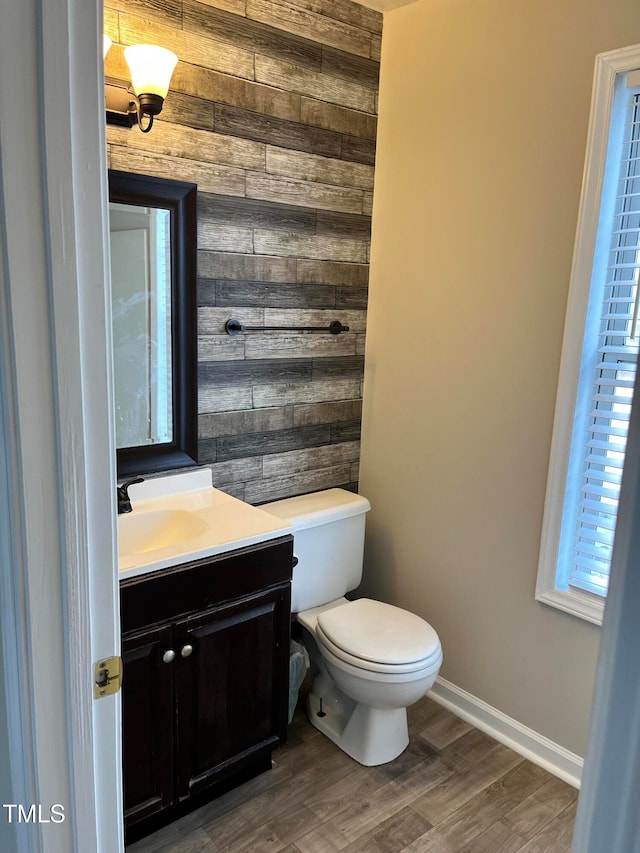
x=373 y=659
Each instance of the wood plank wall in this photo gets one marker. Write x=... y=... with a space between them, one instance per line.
x=272 y=112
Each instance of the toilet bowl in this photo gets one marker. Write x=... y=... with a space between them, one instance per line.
x=373 y=659
x=364 y=701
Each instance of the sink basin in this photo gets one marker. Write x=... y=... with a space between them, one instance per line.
x=152 y=530
x=181 y=517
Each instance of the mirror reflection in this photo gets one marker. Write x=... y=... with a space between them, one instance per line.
x=141 y=296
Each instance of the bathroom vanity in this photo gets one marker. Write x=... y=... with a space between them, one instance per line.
x=205 y=650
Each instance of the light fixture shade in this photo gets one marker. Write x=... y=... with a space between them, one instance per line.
x=151 y=68
x=106 y=44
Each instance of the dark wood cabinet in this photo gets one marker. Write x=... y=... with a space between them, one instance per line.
x=205 y=650
x=229 y=703
x=147 y=723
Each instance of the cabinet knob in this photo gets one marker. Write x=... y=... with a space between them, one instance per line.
x=168 y=656
x=185 y=651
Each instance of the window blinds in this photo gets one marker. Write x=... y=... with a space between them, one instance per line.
x=614 y=374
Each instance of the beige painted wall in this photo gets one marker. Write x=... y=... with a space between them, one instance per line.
x=483 y=119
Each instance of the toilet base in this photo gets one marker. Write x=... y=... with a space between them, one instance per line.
x=371 y=736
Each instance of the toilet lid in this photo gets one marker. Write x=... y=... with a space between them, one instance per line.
x=378 y=632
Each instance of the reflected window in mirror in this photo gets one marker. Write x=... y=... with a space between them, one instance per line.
x=153 y=247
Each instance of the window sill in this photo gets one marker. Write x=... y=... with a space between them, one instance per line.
x=584 y=605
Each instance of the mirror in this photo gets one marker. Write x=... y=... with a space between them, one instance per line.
x=153 y=287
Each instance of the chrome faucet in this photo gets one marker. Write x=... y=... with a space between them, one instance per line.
x=124 y=501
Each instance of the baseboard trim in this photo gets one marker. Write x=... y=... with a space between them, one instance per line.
x=523 y=740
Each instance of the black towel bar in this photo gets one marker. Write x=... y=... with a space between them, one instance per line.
x=235 y=327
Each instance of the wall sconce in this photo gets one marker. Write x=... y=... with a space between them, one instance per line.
x=150 y=69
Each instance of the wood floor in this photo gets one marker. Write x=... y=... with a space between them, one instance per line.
x=454 y=790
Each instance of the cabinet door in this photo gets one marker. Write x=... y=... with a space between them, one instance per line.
x=147 y=723
x=231 y=689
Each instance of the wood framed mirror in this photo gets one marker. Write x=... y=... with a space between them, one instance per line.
x=153 y=287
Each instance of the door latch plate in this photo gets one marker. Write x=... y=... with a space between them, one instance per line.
x=107 y=677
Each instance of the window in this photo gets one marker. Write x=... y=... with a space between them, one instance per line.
x=600 y=351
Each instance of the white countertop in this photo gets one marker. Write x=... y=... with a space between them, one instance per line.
x=181 y=517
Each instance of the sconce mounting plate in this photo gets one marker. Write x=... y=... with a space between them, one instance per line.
x=120 y=105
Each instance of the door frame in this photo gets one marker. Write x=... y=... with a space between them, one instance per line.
x=59 y=607
x=607 y=817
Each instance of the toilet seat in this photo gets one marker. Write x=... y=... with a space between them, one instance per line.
x=367 y=667
x=378 y=637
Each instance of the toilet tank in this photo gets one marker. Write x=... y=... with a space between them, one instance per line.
x=328 y=540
